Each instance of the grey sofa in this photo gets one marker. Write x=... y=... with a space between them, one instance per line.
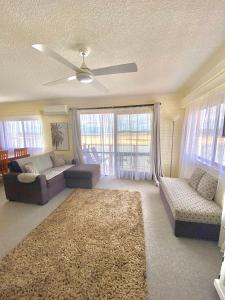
x=190 y=214
x=50 y=180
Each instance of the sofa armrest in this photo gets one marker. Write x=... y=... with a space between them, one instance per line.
x=75 y=162
x=35 y=192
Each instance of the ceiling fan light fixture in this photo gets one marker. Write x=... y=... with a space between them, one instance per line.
x=84 y=77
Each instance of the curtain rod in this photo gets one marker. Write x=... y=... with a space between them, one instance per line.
x=110 y=107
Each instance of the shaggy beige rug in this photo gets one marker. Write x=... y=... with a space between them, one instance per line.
x=90 y=247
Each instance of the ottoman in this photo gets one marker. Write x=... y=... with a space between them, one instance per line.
x=82 y=176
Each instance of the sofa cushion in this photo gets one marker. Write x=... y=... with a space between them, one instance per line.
x=50 y=173
x=22 y=161
x=207 y=186
x=57 y=160
x=27 y=177
x=41 y=162
x=82 y=171
x=30 y=168
x=187 y=205
x=14 y=167
x=196 y=177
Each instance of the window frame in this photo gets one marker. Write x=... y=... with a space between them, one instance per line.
x=24 y=119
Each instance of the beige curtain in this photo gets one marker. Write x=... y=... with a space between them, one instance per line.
x=156 y=148
x=76 y=136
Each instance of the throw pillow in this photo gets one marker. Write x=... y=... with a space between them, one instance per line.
x=196 y=177
x=29 y=168
x=27 y=177
x=57 y=160
x=207 y=186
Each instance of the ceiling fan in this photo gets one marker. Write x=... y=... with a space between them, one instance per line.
x=84 y=74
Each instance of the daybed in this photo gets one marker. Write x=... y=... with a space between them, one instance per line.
x=190 y=214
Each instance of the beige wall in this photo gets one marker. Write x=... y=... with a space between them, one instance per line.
x=169 y=109
x=34 y=108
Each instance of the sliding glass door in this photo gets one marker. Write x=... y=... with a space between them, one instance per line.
x=97 y=140
x=133 y=146
x=118 y=140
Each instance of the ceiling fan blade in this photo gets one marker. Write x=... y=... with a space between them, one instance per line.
x=46 y=50
x=99 y=86
x=61 y=80
x=124 y=68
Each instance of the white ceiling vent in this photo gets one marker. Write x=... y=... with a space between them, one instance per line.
x=56 y=110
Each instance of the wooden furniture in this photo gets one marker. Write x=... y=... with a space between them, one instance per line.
x=4 y=157
x=13 y=157
x=20 y=152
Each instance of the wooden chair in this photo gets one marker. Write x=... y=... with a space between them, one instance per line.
x=4 y=157
x=20 y=152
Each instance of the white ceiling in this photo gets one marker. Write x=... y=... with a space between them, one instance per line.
x=169 y=41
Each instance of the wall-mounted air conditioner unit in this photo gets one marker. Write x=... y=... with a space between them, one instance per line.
x=56 y=110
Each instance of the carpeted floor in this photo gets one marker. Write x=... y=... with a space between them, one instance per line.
x=90 y=247
x=177 y=268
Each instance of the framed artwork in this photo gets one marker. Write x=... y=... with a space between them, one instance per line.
x=60 y=139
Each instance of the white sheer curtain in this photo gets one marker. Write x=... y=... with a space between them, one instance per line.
x=203 y=144
x=133 y=145
x=21 y=133
x=119 y=140
x=203 y=141
x=97 y=139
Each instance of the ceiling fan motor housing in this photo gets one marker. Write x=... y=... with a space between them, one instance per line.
x=85 y=76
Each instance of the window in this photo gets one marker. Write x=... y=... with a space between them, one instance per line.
x=119 y=141
x=209 y=141
x=21 y=133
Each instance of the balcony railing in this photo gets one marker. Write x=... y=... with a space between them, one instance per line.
x=120 y=160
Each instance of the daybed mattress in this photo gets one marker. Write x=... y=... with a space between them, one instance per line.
x=187 y=205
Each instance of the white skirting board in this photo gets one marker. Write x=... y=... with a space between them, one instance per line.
x=220 y=289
